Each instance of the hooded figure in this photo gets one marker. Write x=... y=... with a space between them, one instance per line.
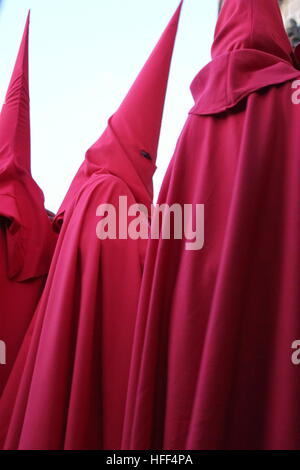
x=26 y=235
x=213 y=364
x=70 y=381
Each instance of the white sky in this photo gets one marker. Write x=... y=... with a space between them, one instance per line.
x=84 y=56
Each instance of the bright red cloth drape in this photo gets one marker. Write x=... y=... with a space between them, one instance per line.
x=69 y=385
x=26 y=236
x=212 y=354
x=73 y=380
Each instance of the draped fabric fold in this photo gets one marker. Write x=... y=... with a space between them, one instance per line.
x=68 y=388
x=26 y=237
x=212 y=360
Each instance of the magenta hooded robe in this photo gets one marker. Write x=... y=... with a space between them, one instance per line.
x=68 y=388
x=26 y=237
x=212 y=363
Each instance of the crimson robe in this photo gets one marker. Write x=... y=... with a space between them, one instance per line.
x=69 y=385
x=26 y=237
x=212 y=363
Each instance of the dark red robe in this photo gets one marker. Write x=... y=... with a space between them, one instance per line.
x=212 y=362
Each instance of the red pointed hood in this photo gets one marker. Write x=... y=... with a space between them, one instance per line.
x=251 y=50
x=128 y=147
x=29 y=234
x=251 y=24
x=15 y=115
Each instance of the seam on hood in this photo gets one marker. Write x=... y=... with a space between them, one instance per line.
x=252 y=25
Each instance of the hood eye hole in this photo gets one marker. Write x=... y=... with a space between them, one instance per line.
x=145 y=154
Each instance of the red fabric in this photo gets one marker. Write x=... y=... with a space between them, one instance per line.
x=27 y=240
x=69 y=385
x=243 y=24
x=73 y=385
x=211 y=364
x=29 y=237
x=135 y=127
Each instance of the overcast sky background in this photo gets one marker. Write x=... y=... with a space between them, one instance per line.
x=84 y=56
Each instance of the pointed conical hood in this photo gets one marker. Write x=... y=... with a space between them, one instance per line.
x=15 y=116
x=251 y=24
x=138 y=119
x=128 y=147
x=29 y=236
